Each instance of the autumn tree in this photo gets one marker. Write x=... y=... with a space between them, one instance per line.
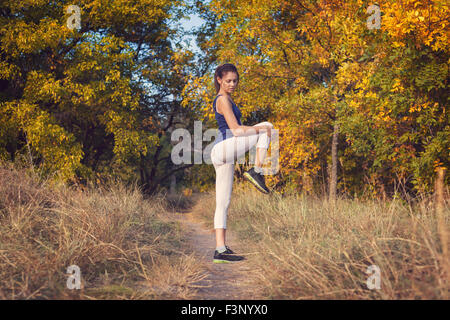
x=358 y=108
x=96 y=99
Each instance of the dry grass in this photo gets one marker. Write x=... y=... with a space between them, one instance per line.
x=126 y=247
x=303 y=248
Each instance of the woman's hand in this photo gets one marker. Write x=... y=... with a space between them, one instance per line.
x=267 y=129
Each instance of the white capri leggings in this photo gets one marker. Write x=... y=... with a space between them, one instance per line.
x=223 y=156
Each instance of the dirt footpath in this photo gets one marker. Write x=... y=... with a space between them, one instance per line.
x=231 y=281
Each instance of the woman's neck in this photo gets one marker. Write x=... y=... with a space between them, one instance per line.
x=224 y=94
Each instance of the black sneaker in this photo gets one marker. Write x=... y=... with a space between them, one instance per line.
x=257 y=180
x=226 y=257
x=228 y=251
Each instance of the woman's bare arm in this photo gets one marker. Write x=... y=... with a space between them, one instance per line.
x=223 y=104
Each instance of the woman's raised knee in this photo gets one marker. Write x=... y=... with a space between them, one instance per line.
x=265 y=123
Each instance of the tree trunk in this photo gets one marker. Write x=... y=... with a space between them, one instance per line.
x=143 y=174
x=173 y=184
x=442 y=226
x=334 y=161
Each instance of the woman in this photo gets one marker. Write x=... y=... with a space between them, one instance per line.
x=234 y=141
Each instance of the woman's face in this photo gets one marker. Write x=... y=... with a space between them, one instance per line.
x=228 y=82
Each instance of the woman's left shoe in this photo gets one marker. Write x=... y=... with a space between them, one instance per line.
x=257 y=180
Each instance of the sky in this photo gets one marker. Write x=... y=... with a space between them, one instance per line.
x=195 y=21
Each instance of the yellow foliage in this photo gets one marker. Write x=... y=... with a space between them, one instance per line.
x=427 y=20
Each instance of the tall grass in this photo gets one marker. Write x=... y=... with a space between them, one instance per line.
x=126 y=247
x=301 y=247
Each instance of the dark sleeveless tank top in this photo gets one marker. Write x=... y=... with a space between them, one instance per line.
x=222 y=123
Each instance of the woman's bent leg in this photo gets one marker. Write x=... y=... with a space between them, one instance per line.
x=231 y=149
x=262 y=146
